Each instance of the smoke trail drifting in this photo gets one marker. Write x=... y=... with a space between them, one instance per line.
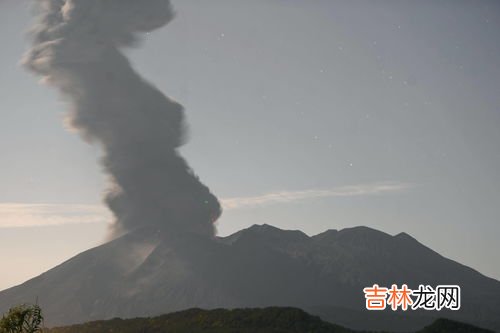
x=77 y=48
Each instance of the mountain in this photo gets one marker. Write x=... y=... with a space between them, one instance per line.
x=145 y=273
x=268 y=320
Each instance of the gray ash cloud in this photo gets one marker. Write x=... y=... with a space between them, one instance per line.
x=77 y=48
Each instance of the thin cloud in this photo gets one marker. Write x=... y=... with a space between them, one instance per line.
x=285 y=197
x=18 y=215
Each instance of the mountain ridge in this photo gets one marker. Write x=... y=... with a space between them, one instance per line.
x=271 y=320
x=147 y=273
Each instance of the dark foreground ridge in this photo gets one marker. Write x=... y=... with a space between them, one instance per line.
x=268 y=320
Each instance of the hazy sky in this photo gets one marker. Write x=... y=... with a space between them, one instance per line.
x=308 y=115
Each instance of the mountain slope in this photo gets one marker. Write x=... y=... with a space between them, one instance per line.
x=145 y=273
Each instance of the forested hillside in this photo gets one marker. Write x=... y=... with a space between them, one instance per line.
x=267 y=320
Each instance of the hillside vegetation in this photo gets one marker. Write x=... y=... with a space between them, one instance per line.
x=267 y=320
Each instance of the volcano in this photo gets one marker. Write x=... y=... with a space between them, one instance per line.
x=146 y=273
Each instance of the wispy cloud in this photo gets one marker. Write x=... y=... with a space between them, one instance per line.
x=18 y=215
x=284 y=197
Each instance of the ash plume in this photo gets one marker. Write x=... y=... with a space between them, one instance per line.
x=76 y=47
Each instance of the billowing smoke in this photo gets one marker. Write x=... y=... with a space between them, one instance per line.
x=77 y=49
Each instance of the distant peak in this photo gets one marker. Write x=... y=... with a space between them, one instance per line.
x=328 y=234
x=268 y=232
x=362 y=232
x=358 y=234
x=361 y=229
x=403 y=235
x=267 y=228
x=264 y=227
x=406 y=238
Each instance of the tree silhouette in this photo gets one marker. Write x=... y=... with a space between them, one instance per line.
x=26 y=318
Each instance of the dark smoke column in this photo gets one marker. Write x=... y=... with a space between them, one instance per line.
x=77 y=49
